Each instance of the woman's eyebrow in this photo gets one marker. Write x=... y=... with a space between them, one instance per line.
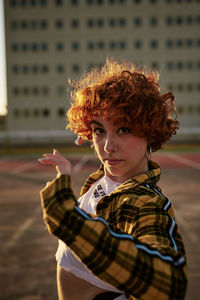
x=97 y=123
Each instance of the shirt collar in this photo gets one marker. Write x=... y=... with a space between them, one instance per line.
x=151 y=177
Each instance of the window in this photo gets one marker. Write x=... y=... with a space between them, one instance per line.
x=74 y=2
x=137 y=44
x=35 y=47
x=101 y=45
x=26 y=113
x=75 y=68
x=35 y=68
x=112 y=45
x=75 y=46
x=46 y=112
x=58 y=2
x=13 y=3
x=15 y=47
x=179 y=20
x=155 y=65
x=170 y=66
x=43 y=2
x=100 y=2
x=16 y=113
x=24 y=24
x=112 y=22
x=153 y=21
x=45 y=68
x=59 y=46
x=170 y=87
x=35 y=91
x=61 y=112
x=189 y=20
x=169 y=21
x=36 y=113
x=33 y=24
x=122 y=22
x=14 y=25
x=90 y=45
x=25 y=69
x=43 y=24
x=15 y=69
x=60 y=68
x=100 y=22
x=75 y=23
x=122 y=45
x=198 y=20
x=23 y=3
x=60 y=90
x=137 y=21
x=45 y=90
x=90 y=23
x=189 y=87
x=180 y=109
x=179 y=65
x=24 y=47
x=169 y=43
x=179 y=43
x=44 y=46
x=153 y=44
x=26 y=91
x=190 y=109
x=15 y=91
x=59 y=24
x=180 y=87
x=189 y=43
x=190 y=65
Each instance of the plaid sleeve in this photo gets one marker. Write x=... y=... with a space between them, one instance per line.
x=146 y=266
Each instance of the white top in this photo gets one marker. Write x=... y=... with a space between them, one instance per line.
x=65 y=257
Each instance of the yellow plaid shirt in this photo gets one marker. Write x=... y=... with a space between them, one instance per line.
x=132 y=242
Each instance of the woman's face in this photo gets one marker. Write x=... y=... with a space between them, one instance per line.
x=121 y=152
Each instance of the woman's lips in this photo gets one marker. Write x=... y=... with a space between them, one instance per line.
x=112 y=162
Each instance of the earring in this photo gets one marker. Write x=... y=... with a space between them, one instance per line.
x=148 y=153
x=79 y=141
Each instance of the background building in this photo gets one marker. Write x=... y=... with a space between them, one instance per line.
x=49 y=41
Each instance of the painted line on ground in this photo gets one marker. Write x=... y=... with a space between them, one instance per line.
x=24 y=227
x=23 y=167
x=81 y=163
x=192 y=236
x=185 y=161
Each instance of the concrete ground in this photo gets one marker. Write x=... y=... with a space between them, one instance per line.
x=27 y=263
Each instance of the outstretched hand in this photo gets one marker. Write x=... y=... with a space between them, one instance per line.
x=63 y=166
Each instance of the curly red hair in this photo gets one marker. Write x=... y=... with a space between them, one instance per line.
x=120 y=91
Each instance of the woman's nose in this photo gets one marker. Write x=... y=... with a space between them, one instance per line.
x=110 y=144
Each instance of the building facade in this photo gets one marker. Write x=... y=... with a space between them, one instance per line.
x=49 y=41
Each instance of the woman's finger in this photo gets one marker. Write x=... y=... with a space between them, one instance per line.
x=46 y=161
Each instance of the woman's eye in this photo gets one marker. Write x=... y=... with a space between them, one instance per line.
x=124 y=130
x=98 y=131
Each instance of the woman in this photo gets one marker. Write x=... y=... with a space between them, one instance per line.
x=119 y=240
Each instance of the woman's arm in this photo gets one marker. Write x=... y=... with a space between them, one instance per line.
x=129 y=264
